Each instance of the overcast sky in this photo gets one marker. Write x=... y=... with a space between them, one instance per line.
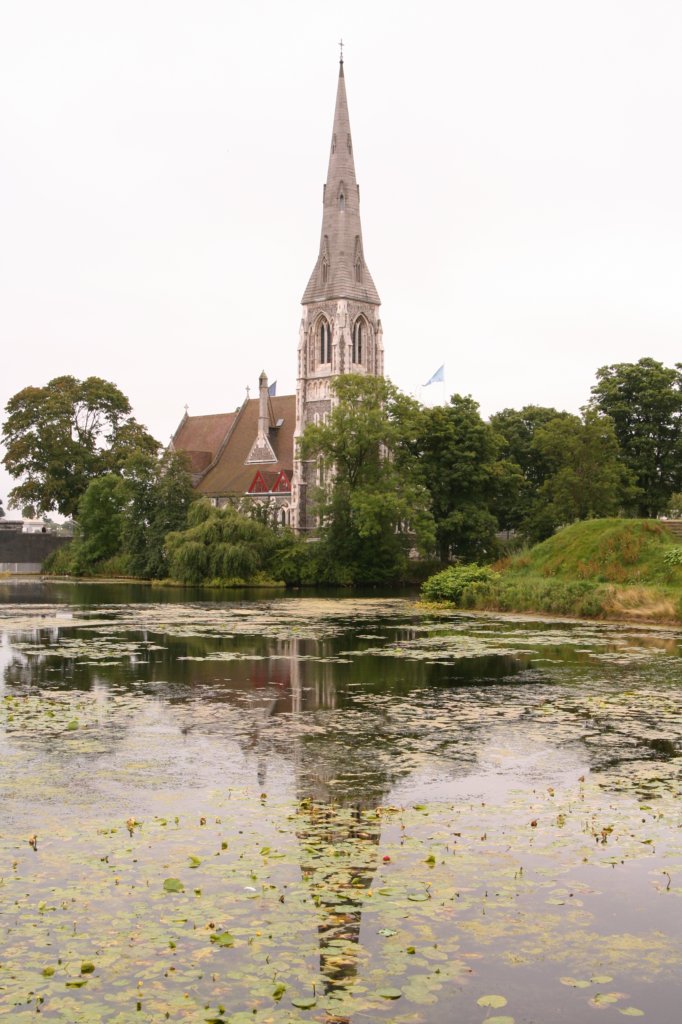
x=161 y=172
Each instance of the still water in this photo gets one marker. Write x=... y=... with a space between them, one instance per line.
x=349 y=809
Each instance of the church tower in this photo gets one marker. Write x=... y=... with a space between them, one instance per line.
x=340 y=327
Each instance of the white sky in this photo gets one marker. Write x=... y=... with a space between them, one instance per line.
x=161 y=171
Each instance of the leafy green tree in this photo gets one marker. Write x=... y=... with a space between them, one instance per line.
x=101 y=520
x=458 y=459
x=223 y=544
x=159 y=497
x=586 y=476
x=515 y=507
x=644 y=400
x=130 y=513
x=372 y=507
x=2 y=511
x=61 y=436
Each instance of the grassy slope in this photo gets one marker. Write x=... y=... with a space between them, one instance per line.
x=606 y=568
x=622 y=551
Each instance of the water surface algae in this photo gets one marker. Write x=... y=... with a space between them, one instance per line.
x=143 y=882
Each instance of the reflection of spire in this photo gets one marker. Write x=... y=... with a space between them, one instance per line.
x=336 y=882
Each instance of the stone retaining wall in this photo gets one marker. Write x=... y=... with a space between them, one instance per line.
x=26 y=552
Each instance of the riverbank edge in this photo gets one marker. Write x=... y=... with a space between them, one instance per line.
x=576 y=599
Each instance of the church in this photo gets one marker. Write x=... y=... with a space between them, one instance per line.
x=251 y=454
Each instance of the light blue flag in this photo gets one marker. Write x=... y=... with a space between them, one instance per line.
x=272 y=390
x=438 y=376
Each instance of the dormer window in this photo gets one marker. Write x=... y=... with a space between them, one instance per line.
x=342 y=202
x=325 y=271
x=325 y=342
x=358 y=270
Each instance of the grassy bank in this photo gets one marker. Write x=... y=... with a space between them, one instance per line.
x=608 y=568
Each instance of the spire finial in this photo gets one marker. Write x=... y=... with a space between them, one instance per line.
x=341 y=49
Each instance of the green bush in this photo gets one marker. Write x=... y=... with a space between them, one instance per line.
x=460 y=584
x=673 y=557
x=60 y=562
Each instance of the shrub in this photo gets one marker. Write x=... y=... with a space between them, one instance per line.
x=673 y=557
x=460 y=584
x=60 y=562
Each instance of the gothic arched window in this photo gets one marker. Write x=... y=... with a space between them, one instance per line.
x=357 y=341
x=325 y=342
x=342 y=202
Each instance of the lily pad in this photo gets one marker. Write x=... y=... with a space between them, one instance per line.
x=173 y=885
x=494 y=1001
x=222 y=939
x=304 y=1002
x=389 y=993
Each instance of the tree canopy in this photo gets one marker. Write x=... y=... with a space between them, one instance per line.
x=61 y=436
x=129 y=514
x=585 y=476
x=459 y=460
x=372 y=505
x=644 y=400
x=223 y=544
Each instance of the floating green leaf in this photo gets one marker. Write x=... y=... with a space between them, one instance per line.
x=631 y=1011
x=304 y=1002
x=389 y=993
x=222 y=939
x=173 y=885
x=494 y=1001
x=606 y=998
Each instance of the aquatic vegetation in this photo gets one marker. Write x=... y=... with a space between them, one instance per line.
x=337 y=811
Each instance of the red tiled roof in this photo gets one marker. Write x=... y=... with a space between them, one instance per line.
x=202 y=434
x=228 y=472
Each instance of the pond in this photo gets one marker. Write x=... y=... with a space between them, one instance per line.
x=289 y=809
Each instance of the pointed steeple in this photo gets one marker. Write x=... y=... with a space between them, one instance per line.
x=341 y=271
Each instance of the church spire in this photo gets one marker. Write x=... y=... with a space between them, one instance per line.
x=341 y=271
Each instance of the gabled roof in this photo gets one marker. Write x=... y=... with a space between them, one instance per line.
x=203 y=433
x=341 y=251
x=229 y=472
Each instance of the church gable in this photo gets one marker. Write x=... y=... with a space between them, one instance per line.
x=261 y=452
x=269 y=482
x=232 y=472
x=282 y=484
x=259 y=485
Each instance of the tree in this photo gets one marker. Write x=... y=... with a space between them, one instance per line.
x=2 y=511
x=519 y=427
x=586 y=478
x=101 y=520
x=644 y=400
x=458 y=459
x=160 y=494
x=61 y=436
x=223 y=544
x=372 y=506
